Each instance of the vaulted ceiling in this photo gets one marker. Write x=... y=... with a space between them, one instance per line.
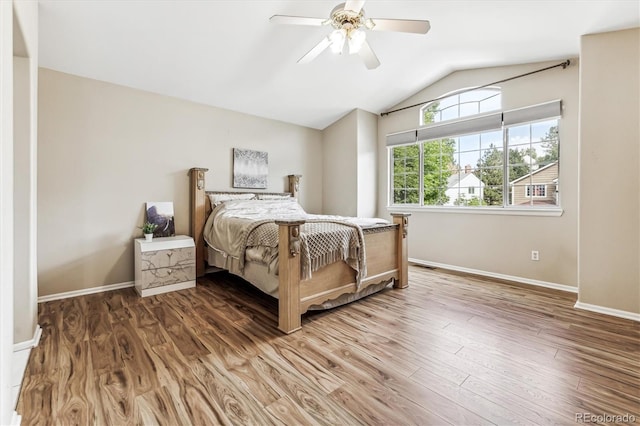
x=227 y=54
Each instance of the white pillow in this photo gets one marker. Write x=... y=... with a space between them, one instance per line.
x=273 y=196
x=217 y=199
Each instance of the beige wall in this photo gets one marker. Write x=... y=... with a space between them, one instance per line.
x=339 y=174
x=497 y=243
x=24 y=296
x=609 y=170
x=105 y=150
x=367 y=164
x=349 y=165
x=25 y=172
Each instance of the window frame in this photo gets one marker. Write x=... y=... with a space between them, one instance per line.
x=506 y=207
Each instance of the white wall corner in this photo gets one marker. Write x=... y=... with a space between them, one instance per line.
x=6 y=209
x=607 y=311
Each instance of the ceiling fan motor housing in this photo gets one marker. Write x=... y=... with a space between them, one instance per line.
x=346 y=19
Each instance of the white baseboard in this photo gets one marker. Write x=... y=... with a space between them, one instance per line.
x=607 y=311
x=28 y=344
x=85 y=291
x=19 y=360
x=522 y=280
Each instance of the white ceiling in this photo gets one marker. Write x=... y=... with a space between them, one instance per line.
x=227 y=54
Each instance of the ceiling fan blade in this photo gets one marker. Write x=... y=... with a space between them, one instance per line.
x=370 y=59
x=354 y=5
x=313 y=53
x=401 y=25
x=298 y=20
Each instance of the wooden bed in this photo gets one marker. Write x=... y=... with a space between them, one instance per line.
x=386 y=258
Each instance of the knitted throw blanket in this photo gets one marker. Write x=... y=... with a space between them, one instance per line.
x=322 y=242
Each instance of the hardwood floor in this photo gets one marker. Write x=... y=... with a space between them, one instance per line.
x=450 y=349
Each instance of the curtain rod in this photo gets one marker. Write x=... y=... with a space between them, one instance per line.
x=564 y=65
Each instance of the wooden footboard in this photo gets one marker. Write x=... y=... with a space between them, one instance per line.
x=386 y=258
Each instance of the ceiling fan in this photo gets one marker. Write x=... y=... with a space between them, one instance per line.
x=349 y=24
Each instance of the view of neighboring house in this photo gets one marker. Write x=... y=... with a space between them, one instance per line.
x=538 y=187
x=463 y=187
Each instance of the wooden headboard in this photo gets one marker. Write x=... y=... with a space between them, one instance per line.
x=201 y=208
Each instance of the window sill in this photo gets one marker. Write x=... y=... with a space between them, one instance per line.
x=509 y=211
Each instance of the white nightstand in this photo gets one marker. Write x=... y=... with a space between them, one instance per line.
x=164 y=264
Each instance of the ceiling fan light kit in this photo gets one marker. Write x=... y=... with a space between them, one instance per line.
x=353 y=38
x=349 y=23
x=356 y=40
x=337 y=38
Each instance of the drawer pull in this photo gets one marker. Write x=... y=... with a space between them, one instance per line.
x=169 y=271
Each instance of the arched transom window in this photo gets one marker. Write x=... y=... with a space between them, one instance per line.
x=460 y=104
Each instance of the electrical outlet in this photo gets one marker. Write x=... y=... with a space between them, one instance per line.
x=535 y=255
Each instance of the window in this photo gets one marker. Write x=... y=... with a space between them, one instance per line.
x=406 y=181
x=485 y=159
x=461 y=104
x=533 y=163
x=536 y=190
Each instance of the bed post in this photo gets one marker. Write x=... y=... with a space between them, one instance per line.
x=289 y=275
x=294 y=185
x=198 y=215
x=402 y=219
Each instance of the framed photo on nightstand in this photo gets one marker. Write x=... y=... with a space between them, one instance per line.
x=161 y=213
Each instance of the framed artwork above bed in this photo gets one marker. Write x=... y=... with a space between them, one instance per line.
x=250 y=168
